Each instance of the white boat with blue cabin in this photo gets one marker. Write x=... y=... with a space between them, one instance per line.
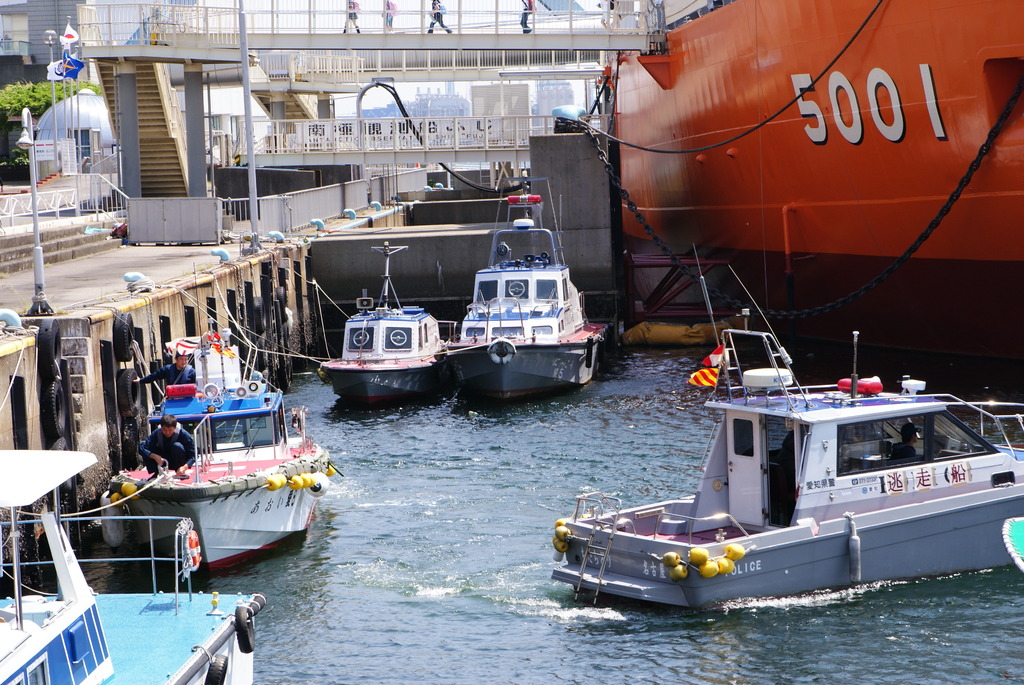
x=251 y=451
x=391 y=353
x=525 y=333
x=77 y=637
x=808 y=488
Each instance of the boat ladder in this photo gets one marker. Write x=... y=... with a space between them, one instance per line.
x=597 y=551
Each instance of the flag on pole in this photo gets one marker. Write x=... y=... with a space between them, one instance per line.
x=715 y=358
x=705 y=377
x=709 y=376
x=54 y=71
x=70 y=36
x=70 y=66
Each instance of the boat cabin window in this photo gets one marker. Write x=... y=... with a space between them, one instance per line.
x=473 y=333
x=547 y=289
x=398 y=338
x=902 y=440
x=743 y=437
x=360 y=339
x=542 y=330
x=486 y=290
x=236 y=433
x=519 y=289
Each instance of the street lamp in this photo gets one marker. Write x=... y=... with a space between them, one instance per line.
x=27 y=142
x=50 y=38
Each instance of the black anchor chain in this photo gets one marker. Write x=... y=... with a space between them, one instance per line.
x=734 y=303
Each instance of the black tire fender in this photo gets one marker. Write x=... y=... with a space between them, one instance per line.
x=128 y=392
x=129 y=443
x=123 y=337
x=48 y=344
x=258 y=321
x=51 y=409
x=217 y=673
x=245 y=632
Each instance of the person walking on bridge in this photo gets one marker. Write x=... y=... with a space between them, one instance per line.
x=437 y=11
x=524 y=21
x=353 y=16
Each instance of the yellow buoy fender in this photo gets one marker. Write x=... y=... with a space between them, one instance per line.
x=129 y=489
x=560 y=545
x=698 y=556
x=560 y=522
x=709 y=569
x=297 y=482
x=679 y=572
x=562 y=532
x=116 y=497
x=735 y=551
x=726 y=565
x=671 y=559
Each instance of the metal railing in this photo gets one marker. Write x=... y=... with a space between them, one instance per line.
x=152 y=558
x=217 y=26
x=415 y=134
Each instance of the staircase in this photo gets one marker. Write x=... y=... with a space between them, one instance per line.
x=161 y=133
x=59 y=244
x=297 y=106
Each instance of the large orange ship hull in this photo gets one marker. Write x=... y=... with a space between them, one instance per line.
x=828 y=194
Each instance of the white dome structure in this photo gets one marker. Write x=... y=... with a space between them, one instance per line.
x=84 y=112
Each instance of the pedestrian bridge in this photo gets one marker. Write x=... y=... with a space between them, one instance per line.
x=209 y=31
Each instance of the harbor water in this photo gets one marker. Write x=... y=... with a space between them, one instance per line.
x=430 y=560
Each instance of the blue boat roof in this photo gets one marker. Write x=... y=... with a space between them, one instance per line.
x=128 y=617
x=196 y=407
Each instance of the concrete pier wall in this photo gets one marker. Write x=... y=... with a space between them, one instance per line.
x=67 y=380
x=450 y=239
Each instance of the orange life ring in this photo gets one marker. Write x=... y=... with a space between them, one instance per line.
x=195 y=557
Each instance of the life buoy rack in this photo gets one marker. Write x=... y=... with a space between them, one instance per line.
x=195 y=555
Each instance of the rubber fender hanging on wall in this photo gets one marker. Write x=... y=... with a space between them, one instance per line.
x=123 y=337
x=51 y=409
x=128 y=392
x=48 y=344
x=258 y=320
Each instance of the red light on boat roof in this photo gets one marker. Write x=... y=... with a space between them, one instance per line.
x=523 y=199
x=183 y=390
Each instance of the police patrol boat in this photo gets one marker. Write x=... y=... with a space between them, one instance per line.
x=389 y=353
x=525 y=332
x=75 y=636
x=257 y=474
x=806 y=488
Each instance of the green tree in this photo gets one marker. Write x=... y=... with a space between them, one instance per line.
x=36 y=96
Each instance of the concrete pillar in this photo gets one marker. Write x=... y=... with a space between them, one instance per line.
x=128 y=129
x=194 y=134
x=324 y=107
x=277 y=107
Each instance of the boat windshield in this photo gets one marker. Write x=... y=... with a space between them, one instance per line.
x=236 y=432
x=903 y=440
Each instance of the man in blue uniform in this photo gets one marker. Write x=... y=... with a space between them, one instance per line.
x=178 y=373
x=169 y=446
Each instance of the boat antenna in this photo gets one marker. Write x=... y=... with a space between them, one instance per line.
x=707 y=298
x=387 y=251
x=853 y=376
x=749 y=297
